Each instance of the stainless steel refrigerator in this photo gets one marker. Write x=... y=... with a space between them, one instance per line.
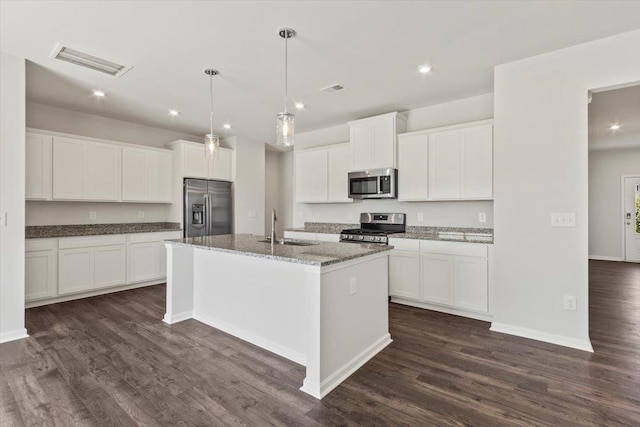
x=207 y=207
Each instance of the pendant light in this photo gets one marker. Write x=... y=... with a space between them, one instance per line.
x=285 y=122
x=211 y=141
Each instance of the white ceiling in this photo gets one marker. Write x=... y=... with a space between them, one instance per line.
x=372 y=48
x=621 y=107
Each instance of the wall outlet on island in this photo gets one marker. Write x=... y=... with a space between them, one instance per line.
x=352 y=286
x=482 y=217
x=420 y=216
x=570 y=303
x=140 y=214
x=93 y=215
x=253 y=214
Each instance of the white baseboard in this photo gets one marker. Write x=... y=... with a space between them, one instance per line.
x=271 y=346
x=332 y=381
x=533 y=334
x=13 y=335
x=486 y=317
x=178 y=317
x=605 y=258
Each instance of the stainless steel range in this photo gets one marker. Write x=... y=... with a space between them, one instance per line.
x=375 y=228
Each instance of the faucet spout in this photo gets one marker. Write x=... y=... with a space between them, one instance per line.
x=274 y=218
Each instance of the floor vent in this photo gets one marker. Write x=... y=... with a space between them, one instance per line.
x=87 y=60
x=333 y=88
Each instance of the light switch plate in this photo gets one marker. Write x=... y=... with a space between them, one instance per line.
x=563 y=219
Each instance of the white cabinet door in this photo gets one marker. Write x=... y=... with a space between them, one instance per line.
x=145 y=261
x=220 y=167
x=195 y=163
x=339 y=166
x=404 y=274
x=477 y=162
x=319 y=179
x=39 y=162
x=303 y=178
x=110 y=266
x=102 y=172
x=384 y=142
x=437 y=278
x=361 y=135
x=413 y=166
x=470 y=283
x=40 y=274
x=445 y=151
x=68 y=168
x=134 y=174
x=75 y=270
x=159 y=174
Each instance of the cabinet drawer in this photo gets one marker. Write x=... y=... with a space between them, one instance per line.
x=454 y=248
x=154 y=237
x=326 y=237
x=90 y=241
x=405 y=244
x=31 y=245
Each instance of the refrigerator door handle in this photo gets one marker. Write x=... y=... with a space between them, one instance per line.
x=206 y=215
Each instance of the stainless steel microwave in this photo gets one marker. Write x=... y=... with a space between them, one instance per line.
x=374 y=184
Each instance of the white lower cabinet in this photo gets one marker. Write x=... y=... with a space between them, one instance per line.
x=41 y=269
x=148 y=256
x=110 y=266
x=447 y=276
x=320 y=237
x=75 y=268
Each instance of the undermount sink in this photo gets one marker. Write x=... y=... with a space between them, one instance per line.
x=290 y=242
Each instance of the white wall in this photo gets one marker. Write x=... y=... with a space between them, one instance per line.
x=605 y=203
x=278 y=190
x=541 y=166
x=12 y=166
x=45 y=117
x=249 y=196
x=456 y=214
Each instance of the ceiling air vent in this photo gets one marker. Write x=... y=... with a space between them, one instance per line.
x=333 y=88
x=87 y=60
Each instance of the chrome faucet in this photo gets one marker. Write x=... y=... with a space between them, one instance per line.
x=273 y=226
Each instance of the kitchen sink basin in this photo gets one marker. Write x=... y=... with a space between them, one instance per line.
x=290 y=242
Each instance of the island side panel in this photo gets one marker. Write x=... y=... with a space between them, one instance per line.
x=179 y=283
x=353 y=327
x=262 y=301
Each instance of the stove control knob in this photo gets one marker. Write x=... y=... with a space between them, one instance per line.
x=360 y=237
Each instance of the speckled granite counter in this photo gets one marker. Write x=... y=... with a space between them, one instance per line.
x=51 y=231
x=448 y=234
x=321 y=254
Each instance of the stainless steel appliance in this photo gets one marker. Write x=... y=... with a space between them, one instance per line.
x=207 y=207
x=375 y=228
x=374 y=184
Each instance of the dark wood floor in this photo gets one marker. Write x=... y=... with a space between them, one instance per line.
x=109 y=360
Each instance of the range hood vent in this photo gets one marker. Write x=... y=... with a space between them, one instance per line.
x=87 y=60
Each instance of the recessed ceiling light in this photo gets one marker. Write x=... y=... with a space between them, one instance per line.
x=614 y=127
x=299 y=105
x=174 y=112
x=99 y=93
x=424 y=69
x=227 y=125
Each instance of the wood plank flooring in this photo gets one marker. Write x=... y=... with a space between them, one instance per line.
x=111 y=361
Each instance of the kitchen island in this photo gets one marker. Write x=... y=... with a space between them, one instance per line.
x=323 y=305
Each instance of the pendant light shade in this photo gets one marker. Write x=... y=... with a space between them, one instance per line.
x=211 y=140
x=285 y=122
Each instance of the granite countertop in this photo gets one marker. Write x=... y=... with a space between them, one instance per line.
x=321 y=254
x=51 y=231
x=447 y=234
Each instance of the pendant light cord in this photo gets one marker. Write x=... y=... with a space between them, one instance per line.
x=286 y=67
x=211 y=101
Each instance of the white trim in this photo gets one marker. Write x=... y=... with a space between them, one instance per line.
x=350 y=263
x=622 y=209
x=450 y=127
x=486 y=317
x=100 y=140
x=321 y=390
x=605 y=258
x=254 y=339
x=18 y=334
x=584 y=345
x=175 y=318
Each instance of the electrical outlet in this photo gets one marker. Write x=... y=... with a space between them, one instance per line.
x=563 y=219
x=93 y=215
x=317 y=215
x=352 y=286
x=482 y=217
x=3 y=219
x=570 y=303
x=420 y=216
x=140 y=214
x=253 y=214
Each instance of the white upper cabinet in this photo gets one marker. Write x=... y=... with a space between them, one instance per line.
x=413 y=166
x=373 y=141
x=321 y=174
x=477 y=163
x=196 y=165
x=445 y=168
x=220 y=166
x=39 y=162
x=68 y=168
x=146 y=175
